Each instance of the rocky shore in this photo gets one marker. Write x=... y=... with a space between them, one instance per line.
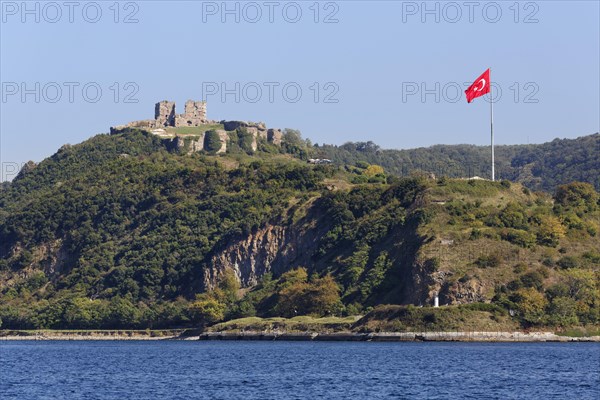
x=91 y=335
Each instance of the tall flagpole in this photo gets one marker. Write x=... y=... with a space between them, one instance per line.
x=492 y=123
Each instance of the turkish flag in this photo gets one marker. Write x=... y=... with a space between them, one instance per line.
x=480 y=87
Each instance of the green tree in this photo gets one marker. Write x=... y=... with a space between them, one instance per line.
x=212 y=141
x=375 y=276
x=245 y=140
x=513 y=217
x=577 y=195
x=356 y=264
x=292 y=137
x=563 y=311
x=122 y=313
x=227 y=289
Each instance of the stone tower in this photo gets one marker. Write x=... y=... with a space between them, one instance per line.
x=195 y=109
x=164 y=113
x=194 y=114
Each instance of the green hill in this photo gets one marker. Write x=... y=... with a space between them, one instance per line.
x=125 y=230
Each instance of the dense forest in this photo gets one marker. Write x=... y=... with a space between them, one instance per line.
x=122 y=231
x=537 y=166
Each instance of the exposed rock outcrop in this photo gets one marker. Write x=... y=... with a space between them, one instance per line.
x=233 y=125
x=223 y=137
x=275 y=136
x=273 y=248
x=467 y=290
x=254 y=132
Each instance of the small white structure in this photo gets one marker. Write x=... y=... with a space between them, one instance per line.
x=436 y=300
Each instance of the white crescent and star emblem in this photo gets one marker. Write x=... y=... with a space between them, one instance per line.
x=482 y=86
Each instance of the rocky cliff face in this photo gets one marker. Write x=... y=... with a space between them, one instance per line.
x=274 y=248
x=277 y=248
x=253 y=256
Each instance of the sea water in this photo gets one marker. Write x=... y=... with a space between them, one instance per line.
x=297 y=370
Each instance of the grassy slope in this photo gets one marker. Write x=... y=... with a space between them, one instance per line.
x=458 y=252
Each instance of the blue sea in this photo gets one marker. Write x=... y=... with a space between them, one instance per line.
x=298 y=370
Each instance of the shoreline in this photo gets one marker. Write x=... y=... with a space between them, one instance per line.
x=124 y=335
x=93 y=335
x=484 y=337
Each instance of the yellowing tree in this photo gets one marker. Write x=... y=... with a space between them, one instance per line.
x=323 y=296
x=531 y=304
x=299 y=296
x=551 y=230
x=373 y=170
x=207 y=311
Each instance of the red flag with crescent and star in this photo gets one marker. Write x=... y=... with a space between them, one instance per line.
x=480 y=87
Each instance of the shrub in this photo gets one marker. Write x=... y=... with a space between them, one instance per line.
x=520 y=268
x=592 y=256
x=475 y=234
x=362 y=164
x=432 y=264
x=532 y=280
x=557 y=290
x=513 y=216
x=519 y=237
x=514 y=285
x=567 y=262
x=577 y=195
x=548 y=262
x=489 y=261
x=421 y=216
x=36 y=280
x=572 y=221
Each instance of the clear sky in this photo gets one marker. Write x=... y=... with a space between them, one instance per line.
x=386 y=71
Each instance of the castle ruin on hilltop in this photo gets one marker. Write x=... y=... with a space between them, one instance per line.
x=194 y=115
x=165 y=116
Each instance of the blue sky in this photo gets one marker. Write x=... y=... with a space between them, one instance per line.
x=361 y=68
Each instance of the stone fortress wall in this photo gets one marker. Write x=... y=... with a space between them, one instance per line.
x=195 y=115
